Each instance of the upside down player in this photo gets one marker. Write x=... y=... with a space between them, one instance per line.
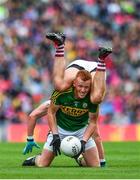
x=95 y=69
x=71 y=113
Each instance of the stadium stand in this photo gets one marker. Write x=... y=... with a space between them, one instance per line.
x=26 y=59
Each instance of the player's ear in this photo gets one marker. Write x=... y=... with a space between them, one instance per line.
x=74 y=83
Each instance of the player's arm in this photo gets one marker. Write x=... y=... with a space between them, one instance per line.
x=37 y=113
x=53 y=127
x=32 y=118
x=89 y=130
x=93 y=117
x=52 y=117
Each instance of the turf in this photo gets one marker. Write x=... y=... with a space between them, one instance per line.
x=123 y=162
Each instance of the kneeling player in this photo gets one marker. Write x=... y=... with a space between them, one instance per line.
x=74 y=67
x=71 y=113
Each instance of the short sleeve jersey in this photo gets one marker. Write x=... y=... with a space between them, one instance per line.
x=73 y=113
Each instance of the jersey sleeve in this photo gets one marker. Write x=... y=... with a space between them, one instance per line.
x=93 y=108
x=55 y=97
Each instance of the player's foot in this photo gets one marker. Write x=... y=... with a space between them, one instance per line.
x=79 y=160
x=103 y=164
x=57 y=38
x=104 y=52
x=29 y=161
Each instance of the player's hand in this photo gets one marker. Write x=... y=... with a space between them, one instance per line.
x=56 y=144
x=29 y=146
x=83 y=143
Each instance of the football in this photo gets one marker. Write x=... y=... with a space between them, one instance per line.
x=70 y=146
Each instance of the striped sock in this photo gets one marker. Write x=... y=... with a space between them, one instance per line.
x=101 y=66
x=60 y=51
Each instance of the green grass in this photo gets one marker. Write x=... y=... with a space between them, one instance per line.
x=123 y=162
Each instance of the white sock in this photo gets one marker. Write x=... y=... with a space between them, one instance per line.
x=102 y=160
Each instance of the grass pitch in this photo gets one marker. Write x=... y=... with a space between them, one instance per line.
x=123 y=162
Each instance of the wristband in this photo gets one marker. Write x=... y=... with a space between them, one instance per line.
x=30 y=138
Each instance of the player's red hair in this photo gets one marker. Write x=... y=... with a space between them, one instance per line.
x=84 y=75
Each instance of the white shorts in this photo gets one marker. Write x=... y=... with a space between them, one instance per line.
x=63 y=133
x=83 y=64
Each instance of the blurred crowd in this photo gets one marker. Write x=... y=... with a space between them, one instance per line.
x=26 y=57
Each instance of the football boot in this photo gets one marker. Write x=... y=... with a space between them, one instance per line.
x=57 y=38
x=104 y=52
x=29 y=161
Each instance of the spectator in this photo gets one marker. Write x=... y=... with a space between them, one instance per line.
x=26 y=60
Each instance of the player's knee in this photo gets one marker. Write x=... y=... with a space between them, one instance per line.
x=42 y=164
x=97 y=98
x=58 y=85
x=94 y=163
x=39 y=162
x=97 y=95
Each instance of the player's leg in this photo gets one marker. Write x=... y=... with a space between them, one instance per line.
x=63 y=77
x=98 y=88
x=97 y=138
x=75 y=66
x=42 y=160
x=45 y=158
x=99 y=81
x=91 y=156
x=69 y=75
x=94 y=161
x=60 y=83
x=85 y=159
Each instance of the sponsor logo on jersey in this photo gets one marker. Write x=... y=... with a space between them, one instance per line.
x=73 y=111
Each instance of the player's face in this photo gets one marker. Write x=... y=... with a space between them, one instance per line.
x=82 y=88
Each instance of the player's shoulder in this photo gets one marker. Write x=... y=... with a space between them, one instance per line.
x=58 y=93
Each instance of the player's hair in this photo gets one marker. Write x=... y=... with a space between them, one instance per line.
x=84 y=75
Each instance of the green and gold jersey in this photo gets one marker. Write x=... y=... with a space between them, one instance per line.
x=73 y=113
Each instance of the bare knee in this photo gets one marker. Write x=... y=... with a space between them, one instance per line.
x=91 y=157
x=96 y=163
x=61 y=85
x=58 y=84
x=41 y=165
x=97 y=97
x=41 y=162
